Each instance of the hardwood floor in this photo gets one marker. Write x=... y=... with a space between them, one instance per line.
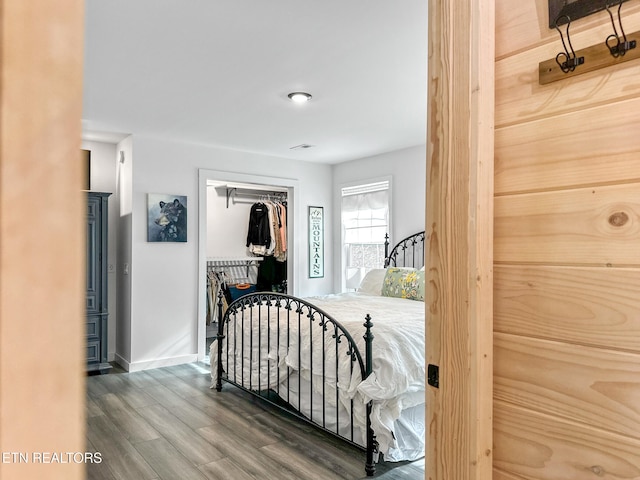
x=167 y=424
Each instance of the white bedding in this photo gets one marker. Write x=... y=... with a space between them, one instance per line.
x=407 y=442
x=396 y=385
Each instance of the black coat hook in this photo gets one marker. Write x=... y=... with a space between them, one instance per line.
x=567 y=60
x=617 y=45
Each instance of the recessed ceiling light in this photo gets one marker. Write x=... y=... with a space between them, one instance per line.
x=299 y=97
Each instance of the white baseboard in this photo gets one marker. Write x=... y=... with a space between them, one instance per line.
x=160 y=362
x=121 y=361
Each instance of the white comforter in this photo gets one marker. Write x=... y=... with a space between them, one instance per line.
x=398 y=379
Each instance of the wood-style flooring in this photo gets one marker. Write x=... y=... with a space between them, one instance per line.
x=167 y=424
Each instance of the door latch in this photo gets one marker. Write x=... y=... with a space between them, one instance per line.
x=433 y=375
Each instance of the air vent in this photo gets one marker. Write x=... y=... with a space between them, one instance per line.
x=302 y=145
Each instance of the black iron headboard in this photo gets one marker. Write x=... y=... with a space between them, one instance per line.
x=408 y=252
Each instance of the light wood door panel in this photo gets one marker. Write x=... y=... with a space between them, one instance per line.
x=589 y=147
x=500 y=475
x=567 y=256
x=520 y=98
x=540 y=447
x=590 y=226
x=592 y=306
x=523 y=25
x=587 y=385
x=42 y=238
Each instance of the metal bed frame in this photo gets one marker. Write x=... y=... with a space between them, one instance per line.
x=408 y=252
x=284 y=314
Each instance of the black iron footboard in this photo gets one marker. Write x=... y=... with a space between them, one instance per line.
x=272 y=345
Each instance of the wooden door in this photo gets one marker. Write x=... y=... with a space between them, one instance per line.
x=567 y=256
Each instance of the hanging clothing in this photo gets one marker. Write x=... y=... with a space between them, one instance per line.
x=276 y=243
x=267 y=237
x=272 y=276
x=272 y=229
x=267 y=231
x=216 y=283
x=282 y=211
x=259 y=232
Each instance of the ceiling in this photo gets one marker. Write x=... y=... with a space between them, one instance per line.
x=217 y=72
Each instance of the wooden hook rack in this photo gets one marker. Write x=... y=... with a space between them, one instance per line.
x=595 y=58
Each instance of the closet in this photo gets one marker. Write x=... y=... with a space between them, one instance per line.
x=247 y=242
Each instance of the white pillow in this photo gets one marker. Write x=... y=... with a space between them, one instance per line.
x=372 y=282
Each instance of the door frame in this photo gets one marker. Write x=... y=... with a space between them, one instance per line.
x=459 y=220
x=42 y=276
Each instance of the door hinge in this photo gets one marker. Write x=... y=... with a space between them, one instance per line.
x=433 y=375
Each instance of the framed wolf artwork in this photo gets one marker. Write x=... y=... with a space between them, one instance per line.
x=167 y=218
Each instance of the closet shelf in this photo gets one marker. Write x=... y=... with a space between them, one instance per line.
x=252 y=190
x=223 y=262
x=234 y=259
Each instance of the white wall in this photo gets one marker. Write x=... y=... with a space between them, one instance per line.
x=166 y=304
x=408 y=169
x=103 y=179
x=124 y=169
x=234 y=215
x=229 y=241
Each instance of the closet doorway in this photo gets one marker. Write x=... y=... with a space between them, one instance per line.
x=228 y=203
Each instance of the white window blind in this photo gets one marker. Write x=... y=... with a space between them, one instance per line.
x=365 y=221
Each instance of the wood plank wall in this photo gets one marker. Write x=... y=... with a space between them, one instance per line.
x=42 y=238
x=567 y=256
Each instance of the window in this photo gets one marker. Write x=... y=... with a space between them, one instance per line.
x=365 y=222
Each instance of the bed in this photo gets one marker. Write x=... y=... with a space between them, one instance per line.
x=317 y=357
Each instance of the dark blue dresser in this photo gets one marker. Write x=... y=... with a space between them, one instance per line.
x=97 y=300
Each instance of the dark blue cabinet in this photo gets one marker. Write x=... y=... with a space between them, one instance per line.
x=97 y=300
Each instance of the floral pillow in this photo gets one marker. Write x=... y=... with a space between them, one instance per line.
x=404 y=283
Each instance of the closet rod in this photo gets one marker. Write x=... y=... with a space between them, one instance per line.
x=251 y=193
